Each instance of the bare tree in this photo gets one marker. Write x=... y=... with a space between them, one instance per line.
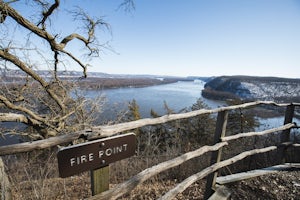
x=43 y=101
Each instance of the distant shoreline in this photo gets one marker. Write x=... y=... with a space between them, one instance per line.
x=112 y=83
x=98 y=83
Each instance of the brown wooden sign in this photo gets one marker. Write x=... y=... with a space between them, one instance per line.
x=95 y=154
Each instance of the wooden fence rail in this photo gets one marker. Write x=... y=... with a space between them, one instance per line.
x=129 y=185
x=192 y=179
x=259 y=133
x=221 y=140
x=110 y=130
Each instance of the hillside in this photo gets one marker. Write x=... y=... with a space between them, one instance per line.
x=252 y=88
x=94 y=80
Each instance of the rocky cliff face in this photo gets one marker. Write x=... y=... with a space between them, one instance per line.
x=253 y=88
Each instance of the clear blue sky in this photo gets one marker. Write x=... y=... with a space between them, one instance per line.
x=200 y=37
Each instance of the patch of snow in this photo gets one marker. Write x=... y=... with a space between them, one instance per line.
x=268 y=91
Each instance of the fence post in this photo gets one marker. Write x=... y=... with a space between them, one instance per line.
x=285 y=135
x=100 y=180
x=216 y=156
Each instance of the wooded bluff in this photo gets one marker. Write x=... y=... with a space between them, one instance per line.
x=252 y=88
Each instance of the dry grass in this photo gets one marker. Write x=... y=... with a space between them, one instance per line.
x=154 y=190
x=77 y=187
x=35 y=175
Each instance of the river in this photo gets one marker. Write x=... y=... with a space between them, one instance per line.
x=177 y=95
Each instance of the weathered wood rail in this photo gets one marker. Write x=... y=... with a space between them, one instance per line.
x=210 y=172
x=106 y=131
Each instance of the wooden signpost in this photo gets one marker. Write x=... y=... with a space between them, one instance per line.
x=95 y=156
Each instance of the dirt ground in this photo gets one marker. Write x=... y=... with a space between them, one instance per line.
x=283 y=185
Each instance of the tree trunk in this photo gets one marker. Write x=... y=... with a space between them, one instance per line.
x=5 y=186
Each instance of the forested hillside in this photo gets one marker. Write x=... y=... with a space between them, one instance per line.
x=252 y=88
x=93 y=81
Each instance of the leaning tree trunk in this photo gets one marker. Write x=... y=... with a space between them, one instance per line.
x=5 y=186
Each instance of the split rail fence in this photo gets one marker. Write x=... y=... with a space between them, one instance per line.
x=220 y=141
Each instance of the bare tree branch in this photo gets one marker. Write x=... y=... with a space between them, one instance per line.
x=15 y=60
x=69 y=38
x=47 y=13
x=90 y=26
x=26 y=23
x=10 y=105
x=84 y=68
x=55 y=46
x=13 y=117
x=43 y=101
x=127 y=5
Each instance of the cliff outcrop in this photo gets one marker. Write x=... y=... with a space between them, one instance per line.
x=252 y=88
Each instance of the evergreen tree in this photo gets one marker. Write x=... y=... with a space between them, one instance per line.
x=134 y=111
x=168 y=109
x=198 y=130
x=153 y=113
x=240 y=121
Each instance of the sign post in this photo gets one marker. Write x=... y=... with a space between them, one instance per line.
x=100 y=180
x=96 y=156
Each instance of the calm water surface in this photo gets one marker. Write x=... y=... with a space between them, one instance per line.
x=178 y=96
